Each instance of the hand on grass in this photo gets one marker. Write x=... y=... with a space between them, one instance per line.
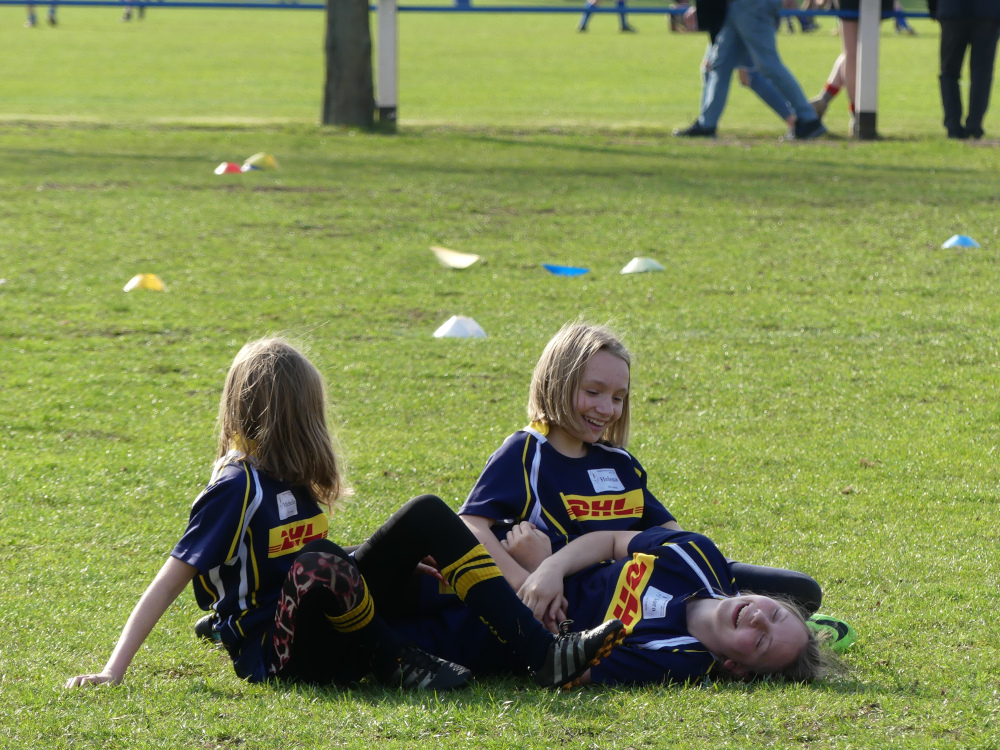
x=104 y=678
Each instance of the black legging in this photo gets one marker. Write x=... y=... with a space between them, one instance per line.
x=760 y=579
x=427 y=526
x=328 y=626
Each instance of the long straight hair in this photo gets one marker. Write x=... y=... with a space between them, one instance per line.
x=273 y=409
x=557 y=376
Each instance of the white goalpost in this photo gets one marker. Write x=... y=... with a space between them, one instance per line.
x=869 y=18
x=386 y=87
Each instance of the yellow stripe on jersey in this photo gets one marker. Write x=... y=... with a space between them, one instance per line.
x=555 y=523
x=632 y=581
x=708 y=565
x=527 y=480
x=208 y=589
x=253 y=563
x=472 y=568
x=357 y=618
x=284 y=540
x=243 y=515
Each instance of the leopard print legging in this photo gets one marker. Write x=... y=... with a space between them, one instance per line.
x=323 y=575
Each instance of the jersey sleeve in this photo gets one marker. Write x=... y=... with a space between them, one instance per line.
x=651 y=539
x=502 y=490
x=690 y=555
x=217 y=521
x=654 y=513
x=629 y=664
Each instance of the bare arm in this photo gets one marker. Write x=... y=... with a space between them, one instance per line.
x=161 y=593
x=542 y=592
x=511 y=569
x=672 y=525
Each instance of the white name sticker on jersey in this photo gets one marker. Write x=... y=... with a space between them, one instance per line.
x=654 y=603
x=605 y=480
x=286 y=505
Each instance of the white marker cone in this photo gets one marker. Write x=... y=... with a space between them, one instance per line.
x=460 y=327
x=642 y=265
x=452 y=259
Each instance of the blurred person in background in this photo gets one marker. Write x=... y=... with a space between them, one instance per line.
x=588 y=10
x=33 y=19
x=972 y=25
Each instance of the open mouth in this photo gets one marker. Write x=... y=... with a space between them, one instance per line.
x=738 y=614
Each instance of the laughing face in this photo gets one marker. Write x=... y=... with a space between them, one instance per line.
x=598 y=404
x=754 y=634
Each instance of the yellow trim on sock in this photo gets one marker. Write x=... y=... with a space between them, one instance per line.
x=357 y=618
x=473 y=567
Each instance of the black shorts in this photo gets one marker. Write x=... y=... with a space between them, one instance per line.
x=855 y=5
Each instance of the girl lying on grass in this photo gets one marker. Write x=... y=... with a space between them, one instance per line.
x=291 y=605
x=673 y=590
x=568 y=473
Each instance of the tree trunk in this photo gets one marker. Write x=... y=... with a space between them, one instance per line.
x=348 y=97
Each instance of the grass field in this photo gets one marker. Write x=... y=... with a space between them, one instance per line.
x=815 y=382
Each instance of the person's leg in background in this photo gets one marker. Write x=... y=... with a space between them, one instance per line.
x=955 y=37
x=982 y=56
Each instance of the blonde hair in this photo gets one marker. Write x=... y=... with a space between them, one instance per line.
x=554 y=383
x=273 y=409
x=812 y=663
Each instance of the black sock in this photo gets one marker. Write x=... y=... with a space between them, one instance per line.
x=365 y=630
x=426 y=526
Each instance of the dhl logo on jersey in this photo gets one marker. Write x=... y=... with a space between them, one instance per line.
x=603 y=507
x=627 y=602
x=291 y=536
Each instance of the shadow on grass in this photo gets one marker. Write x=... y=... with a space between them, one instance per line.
x=490 y=690
x=502 y=162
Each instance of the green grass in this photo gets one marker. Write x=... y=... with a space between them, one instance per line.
x=815 y=382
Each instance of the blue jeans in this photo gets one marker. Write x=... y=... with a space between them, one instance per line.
x=759 y=84
x=749 y=31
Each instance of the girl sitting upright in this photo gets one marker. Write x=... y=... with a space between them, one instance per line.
x=568 y=473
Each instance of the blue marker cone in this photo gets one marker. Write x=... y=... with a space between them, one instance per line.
x=960 y=240
x=564 y=270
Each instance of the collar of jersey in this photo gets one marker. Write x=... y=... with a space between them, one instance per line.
x=538 y=428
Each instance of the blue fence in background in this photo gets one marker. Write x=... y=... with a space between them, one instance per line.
x=461 y=6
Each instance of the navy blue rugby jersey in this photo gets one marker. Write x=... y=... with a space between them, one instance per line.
x=648 y=592
x=529 y=480
x=243 y=535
